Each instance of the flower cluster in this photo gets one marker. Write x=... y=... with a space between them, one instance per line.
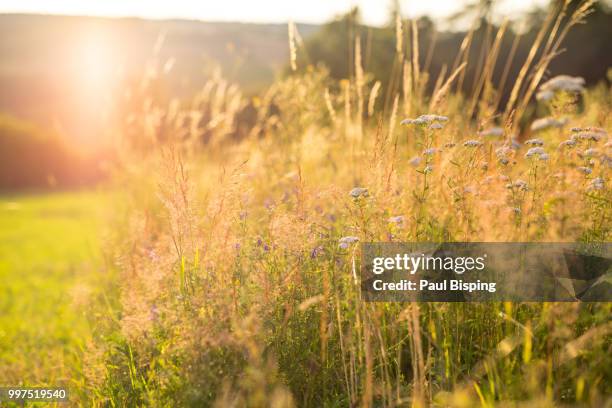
x=503 y=154
x=473 y=143
x=534 y=142
x=596 y=184
x=428 y=119
x=535 y=151
x=345 y=242
x=584 y=170
x=568 y=143
x=398 y=220
x=560 y=83
x=547 y=123
x=589 y=133
x=492 y=132
x=359 y=192
x=415 y=161
x=518 y=184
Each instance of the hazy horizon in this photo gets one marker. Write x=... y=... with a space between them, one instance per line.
x=264 y=12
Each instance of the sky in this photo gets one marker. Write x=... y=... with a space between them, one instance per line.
x=261 y=11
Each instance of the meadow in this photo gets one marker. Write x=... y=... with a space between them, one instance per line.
x=237 y=257
x=227 y=277
x=50 y=264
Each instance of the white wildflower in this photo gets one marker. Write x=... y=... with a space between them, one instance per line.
x=359 y=192
x=596 y=184
x=519 y=184
x=473 y=143
x=564 y=83
x=503 y=151
x=544 y=157
x=585 y=170
x=592 y=152
x=546 y=123
x=436 y=125
x=514 y=144
x=416 y=121
x=492 y=132
x=568 y=143
x=433 y=118
x=502 y=154
x=415 y=161
x=428 y=169
x=545 y=95
x=345 y=242
x=430 y=151
x=535 y=151
x=535 y=142
x=594 y=136
x=398 y=219
x=425 y=119
x=596 y=130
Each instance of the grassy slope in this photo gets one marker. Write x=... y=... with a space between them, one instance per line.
x=49 y=258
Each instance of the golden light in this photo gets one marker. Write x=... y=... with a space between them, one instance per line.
x=93 y=74
x=95 y=62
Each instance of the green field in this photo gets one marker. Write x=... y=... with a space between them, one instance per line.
x=50 y=264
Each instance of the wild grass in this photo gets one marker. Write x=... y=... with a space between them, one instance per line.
x=233 y=289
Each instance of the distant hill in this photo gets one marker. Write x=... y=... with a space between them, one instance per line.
x=47 y=63
x=56 y=70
